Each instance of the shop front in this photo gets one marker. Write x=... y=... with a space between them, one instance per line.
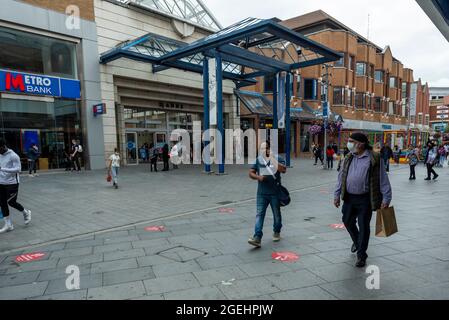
x=40 y=96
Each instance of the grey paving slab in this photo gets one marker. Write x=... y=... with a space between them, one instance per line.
x=434 y=292
x=86 y=281
x=81 y=260
x=222 y=276
x=170 y=284
x=309 y=293
x=207 y=262
x=202 y=293
x=60 y=272
x=71 y=252
x=113 y=247
x=294 y=279
x=18 y=278
x=254 y=269
x=133 y=253
x=101 y=267
x=128 y=275
x=338 y=271
x=173 y=268
x=247 y=288
x=72 y=295
x=23 y=291
x=117 y=292
x=153 y=260
x=34 y=266
x=411 y=259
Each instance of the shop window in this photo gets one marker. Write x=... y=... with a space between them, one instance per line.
x=61 y=59
x=28 y=52
x=339 y=96
x=310 y=89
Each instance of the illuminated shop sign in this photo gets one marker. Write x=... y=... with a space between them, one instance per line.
x=42 y=85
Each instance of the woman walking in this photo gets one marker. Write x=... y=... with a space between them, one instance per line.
x=114 y=166
x=431 y=159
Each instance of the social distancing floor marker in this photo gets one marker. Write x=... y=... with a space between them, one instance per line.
x=337 y=226
x=285 y=256
x=226 y=210
x=28 y=257
x=155 y=228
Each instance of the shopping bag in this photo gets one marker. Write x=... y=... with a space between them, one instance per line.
x=386 y=222
x=109 y=178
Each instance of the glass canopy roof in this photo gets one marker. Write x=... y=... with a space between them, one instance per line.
x=193 y=11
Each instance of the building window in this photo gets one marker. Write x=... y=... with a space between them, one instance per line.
x=360 y=69
x=393 y=82
x=419 y=118
x=360 y=100
x=378 y=104
x=340 y=62
x=370 y=102
x=412 y=119
x=33 y=53
x=339 y=96
x=379 y=76
x=298 y=86
x=310 y=90
x=404 y=90
x=351 y=63
x=268 y=82
x=427 y=120
x=390 y=107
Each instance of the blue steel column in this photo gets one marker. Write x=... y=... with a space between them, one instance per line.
x=287 y=118
x=275 y=101
x=219 y=76
x=206 y=106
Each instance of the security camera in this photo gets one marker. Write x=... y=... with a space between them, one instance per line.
x=298 y=51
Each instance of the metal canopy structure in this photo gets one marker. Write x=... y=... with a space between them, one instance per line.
x=191 y=11
x=248 y=49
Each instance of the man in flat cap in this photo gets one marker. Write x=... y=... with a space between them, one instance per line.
x=364 y=187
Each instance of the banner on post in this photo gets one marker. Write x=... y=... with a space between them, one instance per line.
x=212 y=92
x=281 y=77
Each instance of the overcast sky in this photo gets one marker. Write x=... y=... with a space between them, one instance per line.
x=401 y=24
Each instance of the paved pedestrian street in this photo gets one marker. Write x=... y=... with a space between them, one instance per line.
x=183 y=235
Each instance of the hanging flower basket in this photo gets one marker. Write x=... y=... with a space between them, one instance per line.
x=315 y=129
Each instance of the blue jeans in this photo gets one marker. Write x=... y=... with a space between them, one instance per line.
x=114 y=173
x=262 y=204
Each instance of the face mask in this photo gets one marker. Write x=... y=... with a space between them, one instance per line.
x=351 y=146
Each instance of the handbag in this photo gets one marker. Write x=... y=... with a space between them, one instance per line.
x=109 y=177
x=283 y=194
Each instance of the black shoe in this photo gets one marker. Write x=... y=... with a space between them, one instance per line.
x=410 y=178
x=360 y=263
x=435 y=177
x=353 y=248
x=427 y=179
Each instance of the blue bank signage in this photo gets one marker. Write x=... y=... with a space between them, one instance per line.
x=42 y=85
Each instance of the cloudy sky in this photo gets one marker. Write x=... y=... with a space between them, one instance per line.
x=401 y=24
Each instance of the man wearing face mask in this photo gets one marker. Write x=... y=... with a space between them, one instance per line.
x=10 y=168
x=364 y=187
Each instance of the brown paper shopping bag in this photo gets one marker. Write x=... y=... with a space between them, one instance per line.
x=386 y=222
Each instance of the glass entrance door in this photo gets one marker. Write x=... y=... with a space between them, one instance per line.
x=131 y=148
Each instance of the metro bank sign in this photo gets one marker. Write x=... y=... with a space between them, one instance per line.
x=18 y=82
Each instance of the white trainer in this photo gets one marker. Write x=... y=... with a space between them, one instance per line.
x=27 y=216
x=8 y=226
